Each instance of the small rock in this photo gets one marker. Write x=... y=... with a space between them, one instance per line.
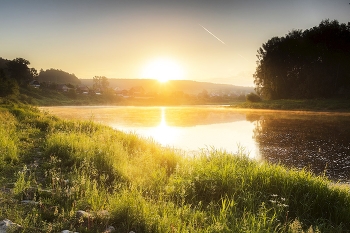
x=82 y=214
x=6 y=225
x=109 y=229
x=29 y=202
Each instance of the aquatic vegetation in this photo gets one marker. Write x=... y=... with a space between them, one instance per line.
x=83 y=176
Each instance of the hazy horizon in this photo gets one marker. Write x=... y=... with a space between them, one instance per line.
x=196 y=40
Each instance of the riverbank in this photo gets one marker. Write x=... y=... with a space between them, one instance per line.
x=81 y=176
x=54 y=98
x=324 y=105
x=40 y=97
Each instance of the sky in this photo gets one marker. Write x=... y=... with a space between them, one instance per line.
x=211 y=41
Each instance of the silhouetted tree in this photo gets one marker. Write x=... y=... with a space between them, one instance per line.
x=310 y=64
x=252 y=97
x=18 y=70
x=7 y=86
x=33 y=73
x=3 y=63
x=203 y=94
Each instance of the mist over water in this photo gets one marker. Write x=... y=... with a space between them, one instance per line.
x=319 y=142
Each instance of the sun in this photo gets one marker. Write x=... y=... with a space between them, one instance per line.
x=163 y=70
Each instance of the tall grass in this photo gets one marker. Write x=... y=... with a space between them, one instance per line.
x=136 y=185
x=8 y=138
x=285 y=194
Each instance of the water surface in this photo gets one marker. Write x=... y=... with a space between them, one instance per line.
x=319 y=142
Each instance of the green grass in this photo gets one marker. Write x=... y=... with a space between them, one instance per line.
x=134 y=184
x=8 y=138
x=312 y=105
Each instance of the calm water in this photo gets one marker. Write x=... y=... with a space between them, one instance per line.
x=316 y=141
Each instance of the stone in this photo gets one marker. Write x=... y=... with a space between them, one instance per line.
x=6 y=225
x=29 y=202
x=109 y=229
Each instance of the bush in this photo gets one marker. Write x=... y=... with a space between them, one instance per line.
x=252 y=97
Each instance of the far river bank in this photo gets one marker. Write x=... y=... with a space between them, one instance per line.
x=318 y=105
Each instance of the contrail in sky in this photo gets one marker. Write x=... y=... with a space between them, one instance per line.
x=212 y=34
x=221 y=40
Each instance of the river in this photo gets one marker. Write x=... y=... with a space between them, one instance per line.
x=319 y=142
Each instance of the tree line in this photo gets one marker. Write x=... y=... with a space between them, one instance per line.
x=314 y=63
x=57 y=76
x=16 y=74
x=19 y=81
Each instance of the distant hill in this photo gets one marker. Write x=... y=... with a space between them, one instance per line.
x=186 y=86
x=57 y=76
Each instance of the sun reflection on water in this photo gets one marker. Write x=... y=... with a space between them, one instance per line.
x=163 y=133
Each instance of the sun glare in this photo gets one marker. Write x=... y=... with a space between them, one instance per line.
x=163 y=70
x=163 y=133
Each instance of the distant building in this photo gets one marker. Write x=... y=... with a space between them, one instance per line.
x=121 y=92
x=62 y=87
x=82 y=89
x=137 y=91
x=34 y=84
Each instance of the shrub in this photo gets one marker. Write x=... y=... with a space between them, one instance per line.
x=252 y=97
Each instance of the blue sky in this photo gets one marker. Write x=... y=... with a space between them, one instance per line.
x=117 y=39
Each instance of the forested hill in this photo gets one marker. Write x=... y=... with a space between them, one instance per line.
x=186 y=86
x=57 y=76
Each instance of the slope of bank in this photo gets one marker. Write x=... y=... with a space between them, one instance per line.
x=80 y=176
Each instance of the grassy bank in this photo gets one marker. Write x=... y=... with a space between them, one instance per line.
x=84 y=177
x=303 y=105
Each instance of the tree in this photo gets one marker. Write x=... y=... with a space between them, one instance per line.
x=252 y=97
x=100 y=83
x=57 y=76
x=7 y=86
x=33 y=73
x=203 y=94
x=309 y=64
x=19 y=70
